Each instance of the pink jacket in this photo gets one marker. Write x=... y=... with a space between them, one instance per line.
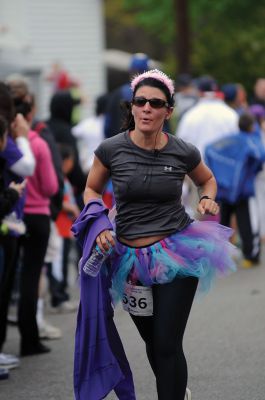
x=43 y=184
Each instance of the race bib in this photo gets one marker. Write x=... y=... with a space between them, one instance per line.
x=138 y=300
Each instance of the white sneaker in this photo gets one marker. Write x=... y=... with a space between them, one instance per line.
x=8 y=361
x=188 y=394
x=65 y=307
x=47 y=331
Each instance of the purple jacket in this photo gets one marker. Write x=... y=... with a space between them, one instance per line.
x=100 y=363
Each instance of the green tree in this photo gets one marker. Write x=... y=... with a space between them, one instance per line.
x=227 y=35
x=228 y=39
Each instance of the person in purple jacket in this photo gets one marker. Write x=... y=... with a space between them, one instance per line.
x=8 y=195
x=160 y=255
x=40 y=187
x=17 y=163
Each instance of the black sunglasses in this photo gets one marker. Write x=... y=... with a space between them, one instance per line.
x=154 y=103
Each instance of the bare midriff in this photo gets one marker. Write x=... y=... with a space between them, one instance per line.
x=142 y=242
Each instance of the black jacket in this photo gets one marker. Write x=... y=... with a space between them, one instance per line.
x=61 y=107
x=8 y=196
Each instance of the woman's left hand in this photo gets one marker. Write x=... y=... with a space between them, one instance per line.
x=208 y=206
x=105 y=240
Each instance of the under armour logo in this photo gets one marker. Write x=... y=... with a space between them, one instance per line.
x=167 y=168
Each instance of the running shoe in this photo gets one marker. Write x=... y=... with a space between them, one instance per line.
x=8 y=361
x=47 y=331
x=247 y=264
x=188 y=394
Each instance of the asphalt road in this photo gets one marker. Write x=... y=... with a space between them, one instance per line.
x=224 y=345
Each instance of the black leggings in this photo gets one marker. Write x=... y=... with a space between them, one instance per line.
x=34 y=248
x=9 y=244
x=163 y=335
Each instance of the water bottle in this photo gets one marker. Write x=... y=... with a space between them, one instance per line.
x=96 y=259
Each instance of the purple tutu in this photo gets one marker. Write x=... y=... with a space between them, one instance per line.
x=201 y=250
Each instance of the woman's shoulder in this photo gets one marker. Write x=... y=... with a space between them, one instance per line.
x=38 y=145
x=113 y=142
x=187 y=152
x=182 y=145
x=107 y=148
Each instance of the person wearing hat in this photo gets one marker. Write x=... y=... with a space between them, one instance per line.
x=207 y=121
x=210 y=119
x=139 y=63
x=187 y=94
x=235 y=96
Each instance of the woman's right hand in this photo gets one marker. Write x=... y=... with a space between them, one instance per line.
x=20 y=127
x=18 y=187
x=105 y=240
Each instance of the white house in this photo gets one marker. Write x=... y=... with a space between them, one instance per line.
x=34 y=34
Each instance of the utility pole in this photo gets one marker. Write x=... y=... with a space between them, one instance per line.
x=183 y=35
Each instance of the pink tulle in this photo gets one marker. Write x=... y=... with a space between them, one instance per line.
x=201 y=250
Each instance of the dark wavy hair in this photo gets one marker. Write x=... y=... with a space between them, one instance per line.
x=3 y=126
x=128 y=119
x=246 y=122
x=7 y=109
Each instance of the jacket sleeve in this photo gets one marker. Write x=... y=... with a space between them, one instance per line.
x=46 y=172
x=19 y=157
x=8 y=199
x=26 y=165
x=256 y=149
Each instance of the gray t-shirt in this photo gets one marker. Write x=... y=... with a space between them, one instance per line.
x=148 y=185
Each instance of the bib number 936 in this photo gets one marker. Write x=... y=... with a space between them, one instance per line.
x=138 y=300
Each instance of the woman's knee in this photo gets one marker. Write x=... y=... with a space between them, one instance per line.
x=167 y=345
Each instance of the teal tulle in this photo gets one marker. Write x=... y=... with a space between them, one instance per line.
x=201 y=250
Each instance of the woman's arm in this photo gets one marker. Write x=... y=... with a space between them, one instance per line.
x=25 y=166
x=96 y=181
x=203 y=178
x=97 y=178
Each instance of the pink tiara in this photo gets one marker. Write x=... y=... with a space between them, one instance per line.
x=155 y=74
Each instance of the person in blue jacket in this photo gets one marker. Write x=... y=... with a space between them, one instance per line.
x=235 y=161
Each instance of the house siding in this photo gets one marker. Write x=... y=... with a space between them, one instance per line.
x=67 y=31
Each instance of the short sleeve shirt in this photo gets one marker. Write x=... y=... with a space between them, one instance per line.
x=147 y=184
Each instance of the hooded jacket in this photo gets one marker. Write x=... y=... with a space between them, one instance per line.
x=43 y=184
x=235 y=161
x=60 y=123
x=100 y=363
